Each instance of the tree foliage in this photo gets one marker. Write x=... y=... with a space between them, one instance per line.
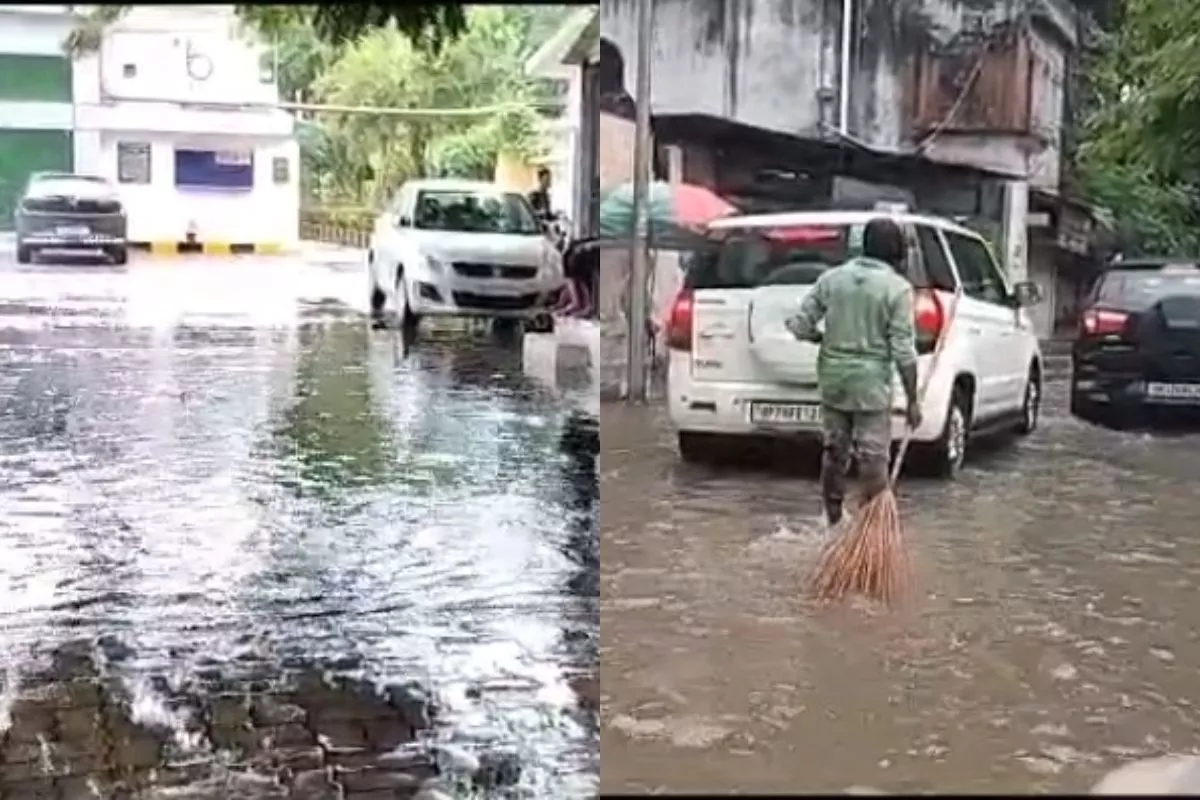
x=482 y=66
x=1140 y=140
x=429 y=25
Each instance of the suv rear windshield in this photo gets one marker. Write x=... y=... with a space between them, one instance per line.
x=1138 y=289
x=771 y=256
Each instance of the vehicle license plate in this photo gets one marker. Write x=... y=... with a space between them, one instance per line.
x=785 y=414
x=72 y=230
x=1189 y=392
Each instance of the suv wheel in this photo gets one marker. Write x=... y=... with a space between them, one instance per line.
x=694 y=448
x=1032 y=404
x=24 y=254
x=946 y=455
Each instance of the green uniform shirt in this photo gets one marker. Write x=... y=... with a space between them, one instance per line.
x=868 y=311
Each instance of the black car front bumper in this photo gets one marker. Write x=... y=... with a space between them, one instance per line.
x=1128 y=380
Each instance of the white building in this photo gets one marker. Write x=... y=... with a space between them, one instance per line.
x=36 y=113
x=178 y=108
x=571 y=55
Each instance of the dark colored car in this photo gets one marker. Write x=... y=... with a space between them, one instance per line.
x=1138 y=347
x=61 y=211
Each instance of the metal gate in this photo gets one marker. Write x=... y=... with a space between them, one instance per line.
x=23 y=152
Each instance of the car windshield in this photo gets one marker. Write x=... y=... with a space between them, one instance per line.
x=475 y=212
x=1140 y=289
x=770 y=256
x=66 y=186
x=66 y=176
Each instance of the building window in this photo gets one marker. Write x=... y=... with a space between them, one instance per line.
x=214 y=169
x=133 y=162
x=281 y=169
x=129 y=70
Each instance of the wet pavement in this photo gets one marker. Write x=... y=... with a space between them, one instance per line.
x=1049 y=638
x=254 y=549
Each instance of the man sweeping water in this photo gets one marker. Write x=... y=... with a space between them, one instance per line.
x=867 y=307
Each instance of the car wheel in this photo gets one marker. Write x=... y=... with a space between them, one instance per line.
x=24 y=254
x=1086 y=409
x=376 y=301
x=505 y=328
x=119 y=256
x=695 y=448
x=542 y=323
x=408 y=320
x=1031 y=406
x=944 y=457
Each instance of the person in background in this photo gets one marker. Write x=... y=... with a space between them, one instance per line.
x=539 y=198
x=867 y=307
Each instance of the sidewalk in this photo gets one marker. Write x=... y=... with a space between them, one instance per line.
x=334 y=256
x=568 y=360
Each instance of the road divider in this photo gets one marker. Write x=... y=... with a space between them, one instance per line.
x=168 y=248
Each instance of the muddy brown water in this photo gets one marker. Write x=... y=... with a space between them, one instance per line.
x=247 y=540
x=1050 y=637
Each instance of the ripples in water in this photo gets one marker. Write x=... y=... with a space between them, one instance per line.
x=262 y=504
x=1044 y=644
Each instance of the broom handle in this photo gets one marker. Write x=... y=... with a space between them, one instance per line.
x=938 y=346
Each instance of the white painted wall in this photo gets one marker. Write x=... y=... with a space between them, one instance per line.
x=166 y=76
x=561 y=137
x=34 y=30
x=159 y=211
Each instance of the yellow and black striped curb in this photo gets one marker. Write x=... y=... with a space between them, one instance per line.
x=211 y=248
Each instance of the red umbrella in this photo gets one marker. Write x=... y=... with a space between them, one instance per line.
x=696 y=206
x=676 y=211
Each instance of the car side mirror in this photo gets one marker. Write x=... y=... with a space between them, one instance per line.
x=1026 y=294
x=403 y=221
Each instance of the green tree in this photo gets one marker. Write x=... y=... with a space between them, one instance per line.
x=1139 y=151
x=430 y=25
x=482 y=67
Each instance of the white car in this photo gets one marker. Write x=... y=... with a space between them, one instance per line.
x=735 y=370
x=461 y=248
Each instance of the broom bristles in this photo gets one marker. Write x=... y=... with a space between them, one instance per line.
x=869 y=558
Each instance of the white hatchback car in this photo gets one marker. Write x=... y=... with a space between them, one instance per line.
x=735 y=370
x=461 y=248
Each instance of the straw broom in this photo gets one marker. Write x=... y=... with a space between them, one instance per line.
x=870 y=557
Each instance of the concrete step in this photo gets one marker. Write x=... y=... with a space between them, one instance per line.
x=1057 y=347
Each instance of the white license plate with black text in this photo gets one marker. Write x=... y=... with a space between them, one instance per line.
x=73 y=231
x=785 y=414
x=1177 y=392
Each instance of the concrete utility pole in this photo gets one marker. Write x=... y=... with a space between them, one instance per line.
x=639 y=302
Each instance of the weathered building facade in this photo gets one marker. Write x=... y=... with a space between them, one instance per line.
x=954 y=106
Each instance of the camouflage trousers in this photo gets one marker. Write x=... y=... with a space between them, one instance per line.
x=866 y=435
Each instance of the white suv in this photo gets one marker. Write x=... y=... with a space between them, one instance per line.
x=461 y=248
x=735 y=370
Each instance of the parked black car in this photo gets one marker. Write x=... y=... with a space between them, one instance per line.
x=1138 y=347
x=60 y=211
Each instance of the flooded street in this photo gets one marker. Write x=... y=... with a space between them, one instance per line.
x=254 y=547
x=1048 y=639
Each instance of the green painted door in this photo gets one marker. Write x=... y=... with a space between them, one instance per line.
x=23 y=152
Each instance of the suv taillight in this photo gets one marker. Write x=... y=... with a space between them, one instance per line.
x=929 y=314
x=1102 y=322
x=679 y=321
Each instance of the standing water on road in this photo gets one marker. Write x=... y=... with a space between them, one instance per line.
x=1052 y=635
x=247 y=539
